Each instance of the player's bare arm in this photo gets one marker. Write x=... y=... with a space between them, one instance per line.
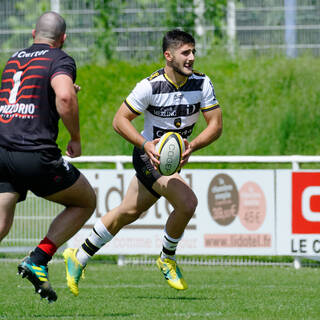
x=122 y=124
x=67 y=107
x=211 y=133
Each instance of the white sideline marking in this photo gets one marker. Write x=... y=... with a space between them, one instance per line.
x=180 y=315
x=105 y=286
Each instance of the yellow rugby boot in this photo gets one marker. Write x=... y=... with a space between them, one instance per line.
x=74 y=270
x=172 y=273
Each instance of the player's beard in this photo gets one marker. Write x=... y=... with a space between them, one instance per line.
x=176 y=68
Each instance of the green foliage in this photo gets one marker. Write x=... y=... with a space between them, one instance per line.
x=269 y=104
x=180 y=14
x=25 y=17
x=177 y=14
x=111 y=17
x=103 y=91
x=215 y=14
x=105 y=22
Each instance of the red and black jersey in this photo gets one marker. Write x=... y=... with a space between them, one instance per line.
x=28 y=114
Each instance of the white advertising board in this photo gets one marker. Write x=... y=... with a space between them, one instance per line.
x=235 y=214
x=298 y=212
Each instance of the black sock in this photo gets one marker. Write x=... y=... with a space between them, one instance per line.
x=39 y=257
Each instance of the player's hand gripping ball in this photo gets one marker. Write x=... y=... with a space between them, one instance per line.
x=170 y=147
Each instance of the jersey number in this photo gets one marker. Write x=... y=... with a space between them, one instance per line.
x=16 y=85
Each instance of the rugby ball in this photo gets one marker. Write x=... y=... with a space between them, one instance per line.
x=170 y=147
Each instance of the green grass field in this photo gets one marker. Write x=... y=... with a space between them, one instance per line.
x=140 y=292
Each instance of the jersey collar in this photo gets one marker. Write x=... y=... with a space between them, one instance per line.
x=174 y=84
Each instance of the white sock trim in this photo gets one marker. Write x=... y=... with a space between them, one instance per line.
x=82 y=257
x=170 y=238
x=103 y=231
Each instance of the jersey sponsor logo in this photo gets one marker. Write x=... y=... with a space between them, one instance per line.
x=24 y=54
x=174 y=111
x=184 y=132
x=178 y=96
x=18 y=110
x=177 y=122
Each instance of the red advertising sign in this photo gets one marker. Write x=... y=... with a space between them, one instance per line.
x=306 y=202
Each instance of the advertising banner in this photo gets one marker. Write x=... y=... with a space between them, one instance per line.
x=235 y=214
x=298 y=212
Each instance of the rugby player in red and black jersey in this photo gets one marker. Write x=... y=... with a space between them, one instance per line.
x=38 y=89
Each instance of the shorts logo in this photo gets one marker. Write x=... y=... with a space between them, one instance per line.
x=57 y=179
x=66 y=164
x=306 y=202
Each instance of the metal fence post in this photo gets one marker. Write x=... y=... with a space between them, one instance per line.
x=199 y=22
x=231 y=25
x=55 y=6
x=290 y=29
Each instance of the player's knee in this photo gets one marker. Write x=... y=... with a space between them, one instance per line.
x=133 y=215
x=88 y=203
x=130 y=215
x=4 y=230
x=193 y=203
x=190 y=204
x=92 y=201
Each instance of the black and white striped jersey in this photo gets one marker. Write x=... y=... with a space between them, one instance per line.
x=168 y=107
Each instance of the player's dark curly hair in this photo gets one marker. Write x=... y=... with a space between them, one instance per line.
x=175 y=38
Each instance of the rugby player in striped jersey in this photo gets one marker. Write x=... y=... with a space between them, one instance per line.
x=171 y=99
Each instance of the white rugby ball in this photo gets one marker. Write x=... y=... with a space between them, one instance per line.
x=170 y=147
